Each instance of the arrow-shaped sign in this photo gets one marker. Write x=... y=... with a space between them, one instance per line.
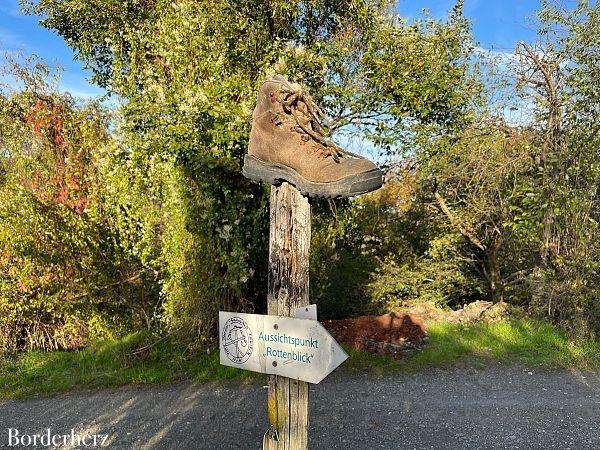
x=295 y=348
x=306 y=312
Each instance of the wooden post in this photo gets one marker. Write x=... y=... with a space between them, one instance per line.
x=289 y=249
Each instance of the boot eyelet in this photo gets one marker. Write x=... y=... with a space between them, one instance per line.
x=275 y=119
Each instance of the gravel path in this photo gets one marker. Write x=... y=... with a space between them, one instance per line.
x=495 y=407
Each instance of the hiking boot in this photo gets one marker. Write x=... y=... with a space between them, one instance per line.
x=289 y=142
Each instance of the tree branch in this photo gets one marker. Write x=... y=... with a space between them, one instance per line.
x=464 y=231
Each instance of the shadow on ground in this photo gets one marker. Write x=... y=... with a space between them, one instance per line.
x=500 y=406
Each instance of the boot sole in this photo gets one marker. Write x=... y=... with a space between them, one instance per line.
x=275 y=174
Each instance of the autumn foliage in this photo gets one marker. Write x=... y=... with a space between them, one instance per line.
x=65 y=276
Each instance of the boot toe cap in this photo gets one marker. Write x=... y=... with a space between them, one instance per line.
x=356 y=166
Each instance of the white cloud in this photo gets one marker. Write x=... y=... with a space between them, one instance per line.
x=499 y=70
x=504 y=57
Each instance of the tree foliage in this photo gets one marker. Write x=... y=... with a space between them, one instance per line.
x=188 y=73
x=143 y=215
x=66 y=274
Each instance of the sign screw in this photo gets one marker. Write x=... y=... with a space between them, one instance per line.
x=276 y=326
x=274 y=363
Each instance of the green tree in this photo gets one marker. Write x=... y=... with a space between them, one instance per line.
x=476 y=178
x=188 y=73
x=560 y=75
x=525 y=196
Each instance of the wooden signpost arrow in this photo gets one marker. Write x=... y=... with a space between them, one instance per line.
x=301 y=349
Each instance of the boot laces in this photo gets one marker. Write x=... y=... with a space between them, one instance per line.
x=310 y=119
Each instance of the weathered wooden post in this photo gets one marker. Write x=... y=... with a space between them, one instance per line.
x=288 y=343
x=289 y=252
x=289 y=141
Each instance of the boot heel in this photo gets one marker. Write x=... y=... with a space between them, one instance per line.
x=257 y=170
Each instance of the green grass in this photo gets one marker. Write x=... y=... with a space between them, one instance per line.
x=115 y=363
x=520 y=341
x=108 y=364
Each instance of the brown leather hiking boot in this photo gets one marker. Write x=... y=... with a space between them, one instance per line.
x=288 y=142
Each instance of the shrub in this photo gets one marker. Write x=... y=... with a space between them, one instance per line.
x=66 y=273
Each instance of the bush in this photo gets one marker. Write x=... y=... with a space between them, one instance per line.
x=67 y=276
x=569 y=294
x=437 y=276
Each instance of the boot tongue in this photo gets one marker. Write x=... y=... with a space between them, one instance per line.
x=280 y=78
x=291 y=86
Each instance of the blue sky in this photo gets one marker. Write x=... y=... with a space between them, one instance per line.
x=497 y=24
x=19 y=32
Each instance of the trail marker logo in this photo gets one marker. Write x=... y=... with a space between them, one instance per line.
x=236 y=340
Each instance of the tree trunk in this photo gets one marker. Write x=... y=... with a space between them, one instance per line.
x=496 y=282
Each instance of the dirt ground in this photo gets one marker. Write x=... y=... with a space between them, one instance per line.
x=392 y=333
x=498 y=407
x=469 y=313
x=396 y=333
